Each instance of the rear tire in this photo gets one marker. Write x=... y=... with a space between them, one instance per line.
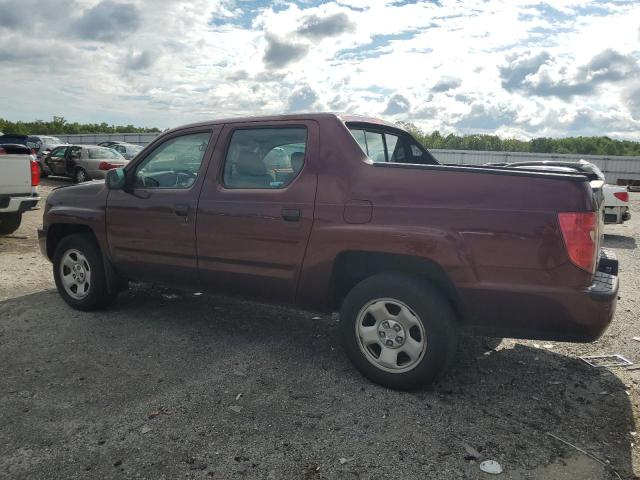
x=10 y=222
x=80 y=175
x=79 y=273
x=408 y=321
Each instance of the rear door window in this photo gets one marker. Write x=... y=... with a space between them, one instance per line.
x=381 y=146
x=265 y=158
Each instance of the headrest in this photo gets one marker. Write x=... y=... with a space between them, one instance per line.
x=297 y=159
x=250 y=163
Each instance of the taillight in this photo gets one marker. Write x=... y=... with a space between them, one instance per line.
x=2 y=151
x=622 y=196
x=106 y=166
x=580 y=233
x=35 y=174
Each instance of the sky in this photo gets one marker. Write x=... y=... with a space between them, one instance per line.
x=509 y=67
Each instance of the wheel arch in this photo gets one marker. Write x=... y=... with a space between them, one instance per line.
x=58 y=231
x=351 y=267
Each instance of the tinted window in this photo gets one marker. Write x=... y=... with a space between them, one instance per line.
x=173 y=164
x=264 y=157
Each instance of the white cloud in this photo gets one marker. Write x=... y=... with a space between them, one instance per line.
x=507 y=66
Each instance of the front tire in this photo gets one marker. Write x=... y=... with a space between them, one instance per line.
x=398 y=330
x=79 y=273
x=10 y=222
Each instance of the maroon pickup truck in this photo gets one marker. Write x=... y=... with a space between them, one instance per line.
x=343 y=213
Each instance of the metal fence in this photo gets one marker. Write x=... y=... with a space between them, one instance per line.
x=615 y=168
x=95 y=138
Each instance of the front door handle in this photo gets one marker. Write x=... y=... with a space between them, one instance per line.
x=182 y=210
x=291 y=214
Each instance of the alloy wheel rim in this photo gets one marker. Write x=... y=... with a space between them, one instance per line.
x=390 y=335
x=75 y=274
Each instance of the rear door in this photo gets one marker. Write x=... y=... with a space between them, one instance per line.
x=256 y=209
x=151 y=227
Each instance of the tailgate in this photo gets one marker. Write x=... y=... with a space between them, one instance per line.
x=15 y=175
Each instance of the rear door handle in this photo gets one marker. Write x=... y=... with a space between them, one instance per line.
x=182 y=210
x=291 y=214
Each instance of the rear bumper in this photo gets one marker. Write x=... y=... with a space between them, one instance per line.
x=617 y=214
x=18 y=204
x=552 y=314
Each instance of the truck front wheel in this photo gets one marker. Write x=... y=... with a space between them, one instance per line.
x=79 y=273
x=398 y=330
x=9 y=222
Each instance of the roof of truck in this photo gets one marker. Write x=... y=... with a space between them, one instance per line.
x=298 y=116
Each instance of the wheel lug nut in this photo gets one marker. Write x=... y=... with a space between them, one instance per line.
x=398 y=339
x=389 y=343
x=382 y=334
x=396 y=327
x=385 y=324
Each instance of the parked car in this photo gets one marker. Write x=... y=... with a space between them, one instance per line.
x=408 y=257
x=127 y=150
x=19 y=139
x=19 y=180
x=83 y=162
x=616 y=197
x=109 y=143
x=40 y=145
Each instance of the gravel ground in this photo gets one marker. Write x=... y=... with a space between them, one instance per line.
x=168 y=384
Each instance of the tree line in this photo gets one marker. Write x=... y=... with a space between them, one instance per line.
x=60 y=126
x=576 y=145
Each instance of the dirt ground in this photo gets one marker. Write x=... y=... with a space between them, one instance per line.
x=173 y=385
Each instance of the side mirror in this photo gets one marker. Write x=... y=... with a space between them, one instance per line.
x=116 y=179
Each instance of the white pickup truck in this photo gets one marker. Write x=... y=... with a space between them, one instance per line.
x=616 y=204
x=19 y=180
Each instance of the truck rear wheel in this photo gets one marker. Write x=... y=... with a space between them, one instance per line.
x=79 y=273
x=398 y=330
x=9 y=222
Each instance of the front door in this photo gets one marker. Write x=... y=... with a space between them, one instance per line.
x=151 y=224
x=56 y=160
x=256 y=209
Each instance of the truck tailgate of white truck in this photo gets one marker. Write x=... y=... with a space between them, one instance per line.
x=15 y=175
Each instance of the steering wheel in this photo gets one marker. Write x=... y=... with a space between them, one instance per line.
x=149 y=181
x=191 y=176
